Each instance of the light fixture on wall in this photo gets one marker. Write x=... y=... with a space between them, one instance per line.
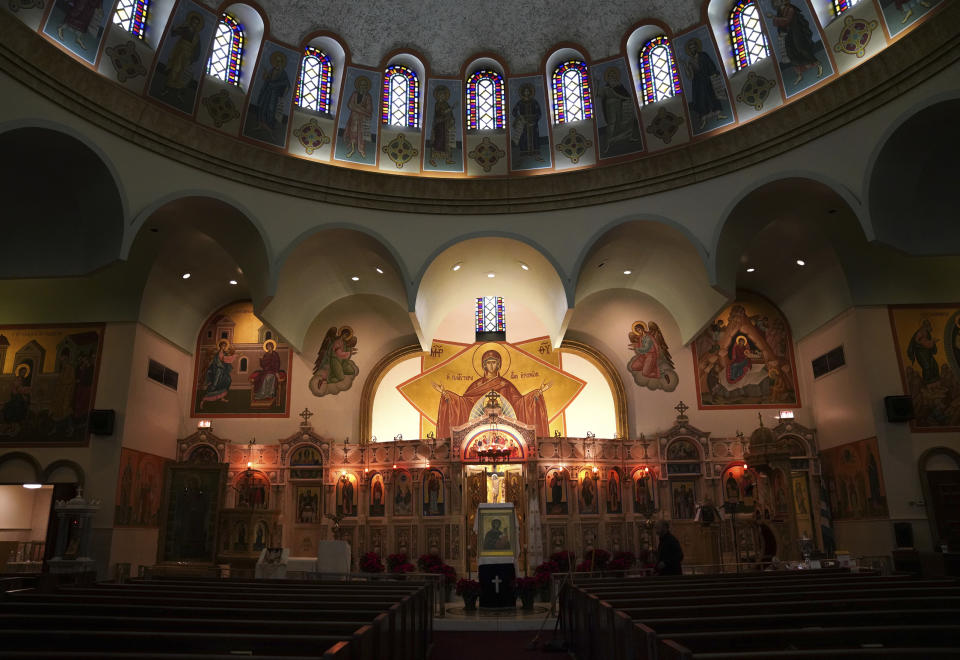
x=457 y=266
x=355 y=278
x=185 y=276
x=628 y=272
x=204 y=424
x=32 y=486
x=801 y=262
x=379 y=270
x=751 y=269
x=524 y=266
x=491 y=275
x=786 y=414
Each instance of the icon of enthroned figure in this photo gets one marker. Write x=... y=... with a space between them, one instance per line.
x=456 y=409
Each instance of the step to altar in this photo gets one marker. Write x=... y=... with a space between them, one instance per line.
x=513 y=618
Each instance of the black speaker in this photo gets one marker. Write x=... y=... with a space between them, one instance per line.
x=101 y=422
x=899 y=408
x=903 y=534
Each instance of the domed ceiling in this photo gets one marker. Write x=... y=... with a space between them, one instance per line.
x=448 y=33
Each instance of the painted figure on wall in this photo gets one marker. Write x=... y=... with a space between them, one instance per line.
x=217 y=379
x=643 y=492
x=731 y=489
x=433 y=504
x=525 y=130
x=701 y=69
x=79 y=15
x=443 y=136
x=376 y=495
x=621 y=133
x=305 y=463
x=334 y=369
x=403 y=496
x=269 y=106
x=556 y=493
x=651 y=366
x=899 y=13
x=139 y=489
x=308 y=505
x=928 y=353
x=179 y=73
x=16 y=407
x=797 y=38
x=588 y=493
x=268 y=378
x=745 y=357
x=345 y=495
x=613 y=492
x=855 y=481
x=684 y=504
x=454 y=409
x=360 y=105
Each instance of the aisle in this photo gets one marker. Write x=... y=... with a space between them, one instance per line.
x=512 y=645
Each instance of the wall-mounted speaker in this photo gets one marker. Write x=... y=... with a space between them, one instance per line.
x=101 y=422
x=899 y=408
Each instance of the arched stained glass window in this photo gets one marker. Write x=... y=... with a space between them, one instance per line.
x=315 y=81
x=227 y=49
x=401 y=97
x=485 y=101
x=840 y=6
x=746 y=34
x=571 y=93
x=131 y=15
x=659 y=79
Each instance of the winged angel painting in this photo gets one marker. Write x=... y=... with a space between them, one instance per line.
x=651 y=364
x=334 y=369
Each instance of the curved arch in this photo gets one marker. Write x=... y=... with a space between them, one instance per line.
x=81 y=477
x=372 y=383
x=24 y=457
x=725 y=280
x=612 y=376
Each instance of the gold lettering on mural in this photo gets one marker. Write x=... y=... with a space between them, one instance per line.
x=525 y=374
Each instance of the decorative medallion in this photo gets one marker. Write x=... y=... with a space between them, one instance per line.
x=755 y=91
x=126 y=61
x=221 y=108
x=311 y=136
x=574 y=145
x=487 y=154
x=855 y=36
x=664 y=125
x=400 y=150
x=17 y=5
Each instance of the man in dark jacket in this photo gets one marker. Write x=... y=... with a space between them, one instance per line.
x=669 y=552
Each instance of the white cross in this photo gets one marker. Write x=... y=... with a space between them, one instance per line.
x=496 y=584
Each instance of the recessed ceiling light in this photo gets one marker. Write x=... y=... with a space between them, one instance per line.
x=628 y=272
x=751 y=269
x=379 y=270
x=801 y=262
x=233 y=282
x=457 y=266
x=31 y=486
x=355 y=278
x=185 y=276
x=524 y=266
x=491 y=274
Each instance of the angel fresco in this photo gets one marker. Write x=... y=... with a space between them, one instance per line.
x=651 y=366
x=334 y=370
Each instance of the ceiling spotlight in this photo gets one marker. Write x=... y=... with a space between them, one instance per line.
x=457 y=266
x=379 y=270
x=524 y=266
x=751 y=269
x=628 y=272
x=233 y=282
x=31 y=486
x=491 y=275
x=185 y=276
x=355 y=278
x=801 y=262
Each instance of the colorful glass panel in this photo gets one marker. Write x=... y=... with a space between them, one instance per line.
x=315 y=81
x=400 y=105
x=659 y=78
x=840 y=6
x=571 y=93
x=485 y=101
x=746 y=34
x=131 y=15
x=227 y=51
x=490 y=316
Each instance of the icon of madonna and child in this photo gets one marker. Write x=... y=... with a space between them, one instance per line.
x=456 y=409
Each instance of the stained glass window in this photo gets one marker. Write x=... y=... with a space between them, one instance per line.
x=485 y=101
x=315 y=81
x=840 y=6
x=401 y=97
x=746 y=34
x=490 y=314
x=227 y=49
x=571 y=93
x=659 y=79
x=131 y=15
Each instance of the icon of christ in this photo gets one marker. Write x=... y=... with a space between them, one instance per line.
x=455 y=408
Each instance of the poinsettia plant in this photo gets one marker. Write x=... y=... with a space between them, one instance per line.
x=400 y=563
x=370 y=563
x=527 y=585
x=621 y=561
x=467 y=587
x=564 y=559
x=434 y=564
x=594 y=560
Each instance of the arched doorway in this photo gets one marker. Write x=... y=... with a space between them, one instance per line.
x=940 y=480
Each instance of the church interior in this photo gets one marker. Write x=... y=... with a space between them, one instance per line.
x=289 y=274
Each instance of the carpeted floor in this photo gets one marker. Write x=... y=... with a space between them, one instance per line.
x=450 y=645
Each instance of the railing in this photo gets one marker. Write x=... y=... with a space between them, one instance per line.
x=26 y=557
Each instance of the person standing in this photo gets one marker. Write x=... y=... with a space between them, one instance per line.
x=669 y=552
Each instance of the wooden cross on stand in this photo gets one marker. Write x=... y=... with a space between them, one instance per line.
x=306 y=414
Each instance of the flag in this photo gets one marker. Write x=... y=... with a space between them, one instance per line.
x=826 y=520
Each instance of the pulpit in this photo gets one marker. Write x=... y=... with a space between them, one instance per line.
x=497 y=547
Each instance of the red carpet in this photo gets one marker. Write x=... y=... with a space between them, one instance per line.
x=492 y=645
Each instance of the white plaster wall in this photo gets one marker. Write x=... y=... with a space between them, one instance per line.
x=24 y=513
